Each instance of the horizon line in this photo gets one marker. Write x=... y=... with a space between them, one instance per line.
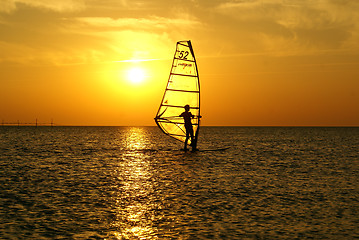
x=254 y=126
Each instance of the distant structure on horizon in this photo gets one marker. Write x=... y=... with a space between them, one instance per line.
x=36 y=123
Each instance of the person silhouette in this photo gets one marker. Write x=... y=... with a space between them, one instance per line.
x=187 y=116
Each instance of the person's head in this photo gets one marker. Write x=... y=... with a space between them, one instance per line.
x=186 y=107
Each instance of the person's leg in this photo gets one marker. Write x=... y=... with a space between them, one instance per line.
x=185 y=142
x=191 y=135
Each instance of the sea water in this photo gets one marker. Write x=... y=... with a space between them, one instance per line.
x=135 y=183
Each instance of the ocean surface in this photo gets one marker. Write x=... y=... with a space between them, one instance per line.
x=135 y=183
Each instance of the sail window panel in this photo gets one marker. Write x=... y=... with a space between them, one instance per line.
x=174 y=128
x=184 y=68
x=176 y=131
x=175 y=98
x=183 y=83
x=171 y=113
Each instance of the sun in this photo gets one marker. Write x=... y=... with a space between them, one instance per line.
x=135 y=75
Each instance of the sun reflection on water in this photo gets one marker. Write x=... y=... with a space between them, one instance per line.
x=135 y=203
x=136 y=139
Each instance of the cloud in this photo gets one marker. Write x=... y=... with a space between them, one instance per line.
x=92 y=40
x=31 y=35
x=57 y=6
x=106 y=23
x=117 y=28
x=7 y=6
x=296 y=26
x=21 y=54
x=130 y=38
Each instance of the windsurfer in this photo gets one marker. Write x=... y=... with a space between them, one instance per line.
x=187 y=116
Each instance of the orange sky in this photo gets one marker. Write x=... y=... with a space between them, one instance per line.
x=261 y=62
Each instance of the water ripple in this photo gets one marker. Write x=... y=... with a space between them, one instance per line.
x=134 y=183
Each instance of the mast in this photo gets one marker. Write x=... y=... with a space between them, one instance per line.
x=194 y=144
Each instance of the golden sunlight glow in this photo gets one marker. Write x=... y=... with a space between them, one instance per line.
x=136 y=75
x=114 y=67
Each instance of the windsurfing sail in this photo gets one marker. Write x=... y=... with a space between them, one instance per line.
x=182 y=88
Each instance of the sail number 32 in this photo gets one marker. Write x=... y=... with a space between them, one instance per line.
x=183 y=54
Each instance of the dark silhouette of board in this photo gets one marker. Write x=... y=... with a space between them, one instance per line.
x=207 y=150
x=214 y=149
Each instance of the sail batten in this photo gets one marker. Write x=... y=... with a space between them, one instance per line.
x=181 y=43
x=182 y=89
x=184 y=75
x=177 y=106
x=185 y=60
x=166 y=121
x=179 y=90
